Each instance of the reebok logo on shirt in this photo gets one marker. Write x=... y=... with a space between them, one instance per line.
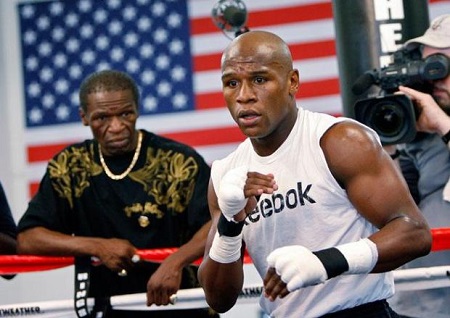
x=278 y=202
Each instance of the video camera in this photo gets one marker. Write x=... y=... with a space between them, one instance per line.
x=393 y=116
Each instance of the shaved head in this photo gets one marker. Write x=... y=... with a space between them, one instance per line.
x=263 y=46
x=259 y=85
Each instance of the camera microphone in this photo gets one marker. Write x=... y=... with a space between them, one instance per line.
x=230 y=15
x=236 y=17
x=363 y=83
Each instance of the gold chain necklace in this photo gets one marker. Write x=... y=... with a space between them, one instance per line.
x=133 y=162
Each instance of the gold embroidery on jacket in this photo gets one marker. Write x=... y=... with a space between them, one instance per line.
x=148 y=208
x=70 y=171
x=168 y=177
x=142 y=210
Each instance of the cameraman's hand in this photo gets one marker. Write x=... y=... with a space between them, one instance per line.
x=432 y=118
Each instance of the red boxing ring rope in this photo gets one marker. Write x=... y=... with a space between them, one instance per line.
x=14 y=264
x=405 y=279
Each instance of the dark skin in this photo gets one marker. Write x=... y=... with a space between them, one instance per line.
x=112 y=118
x=7 y=245
x=259 y=86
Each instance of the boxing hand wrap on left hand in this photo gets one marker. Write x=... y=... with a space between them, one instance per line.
x=299 y=267
x=230 y=195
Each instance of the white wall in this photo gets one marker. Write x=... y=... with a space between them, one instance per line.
x=12 y=153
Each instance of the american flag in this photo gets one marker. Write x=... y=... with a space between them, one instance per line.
x=172 y=49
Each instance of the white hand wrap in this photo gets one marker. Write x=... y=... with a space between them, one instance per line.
x=361 y=256
x=230 y=196
x=226 y=249
x=297 y=266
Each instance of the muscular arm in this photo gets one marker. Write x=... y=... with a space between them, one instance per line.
x=116 y=254
x=379 y=193
x=167 y=279
x=221 y=282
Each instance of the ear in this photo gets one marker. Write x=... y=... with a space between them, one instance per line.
x=83 y=116
x=294 y=82
x=137 y=110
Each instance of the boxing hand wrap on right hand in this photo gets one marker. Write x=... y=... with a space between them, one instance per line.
x=299 y=267
x=230 y=196
x=227 y=243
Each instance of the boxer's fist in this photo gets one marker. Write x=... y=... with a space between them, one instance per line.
x=297 y=266
x=230 y=196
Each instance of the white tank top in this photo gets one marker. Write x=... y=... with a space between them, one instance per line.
x=310 y=209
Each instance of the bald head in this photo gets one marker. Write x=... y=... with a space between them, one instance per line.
x=262 y=46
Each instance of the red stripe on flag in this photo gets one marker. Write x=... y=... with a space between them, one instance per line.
x=307 y=89
x=318 y=88
x=44 y=153
x=33 y=187
x=209 y=100
x=206 y=62
x=294 y=14
x=313 y=50
x=207 y=137
x=194 y=138
x=299 y=13
x=299 y=51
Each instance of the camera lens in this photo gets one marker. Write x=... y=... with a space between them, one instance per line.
x=387 y=119
x=392 y=117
